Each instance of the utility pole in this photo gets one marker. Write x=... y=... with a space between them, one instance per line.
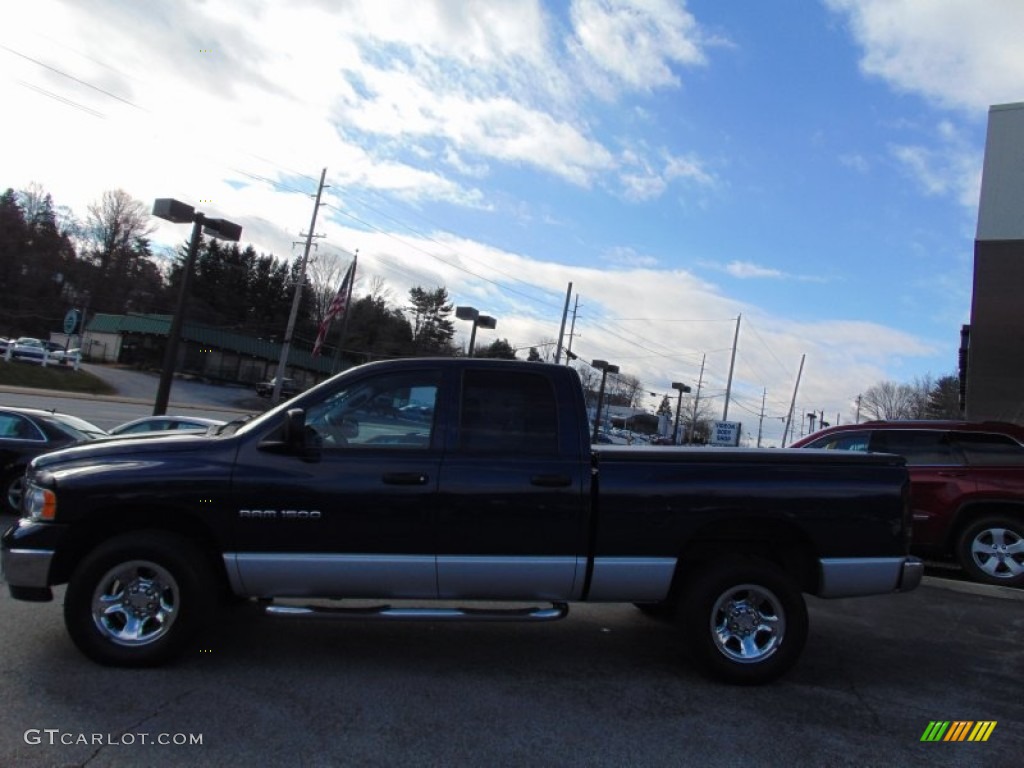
x=696 y=398
x=561 y=331
x=792 y=403
x=286 y=347
x=760 y=422
x=572 y=331
x=732 y=366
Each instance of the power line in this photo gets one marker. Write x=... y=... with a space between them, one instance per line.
x=62 y=73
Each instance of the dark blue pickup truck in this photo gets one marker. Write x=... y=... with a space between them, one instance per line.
x=468 y=484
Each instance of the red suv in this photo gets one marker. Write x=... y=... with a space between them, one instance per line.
x=966 y=488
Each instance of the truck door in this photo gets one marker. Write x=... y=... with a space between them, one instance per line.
x=358 y=522
x=513 y=493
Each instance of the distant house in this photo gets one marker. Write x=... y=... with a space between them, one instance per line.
x=208 y=352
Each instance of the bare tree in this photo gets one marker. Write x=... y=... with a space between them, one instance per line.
x=325 y=273
x=889 y=401
x=626 y=389
x=117 y=228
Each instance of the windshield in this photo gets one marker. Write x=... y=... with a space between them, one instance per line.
x=79 y=429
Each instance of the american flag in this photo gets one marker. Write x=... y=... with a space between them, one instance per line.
x=338 y=307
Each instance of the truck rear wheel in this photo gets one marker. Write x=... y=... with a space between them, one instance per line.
x=138 y=599
x=745 y=621
x=991 y=551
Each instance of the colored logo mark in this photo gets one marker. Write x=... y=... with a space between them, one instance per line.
x=958 y=730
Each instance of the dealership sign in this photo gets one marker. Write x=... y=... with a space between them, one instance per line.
x=725 y=433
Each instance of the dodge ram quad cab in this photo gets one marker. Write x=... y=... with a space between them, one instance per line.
x=495 y=500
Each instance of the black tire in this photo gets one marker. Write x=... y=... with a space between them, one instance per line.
x=744 y=621
x=991 y=551
x=13 y=487
x=139 y=599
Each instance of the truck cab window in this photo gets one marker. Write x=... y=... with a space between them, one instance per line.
x=391 y=411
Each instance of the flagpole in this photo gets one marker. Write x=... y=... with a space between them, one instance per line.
x=344 y=323
x=339 y=306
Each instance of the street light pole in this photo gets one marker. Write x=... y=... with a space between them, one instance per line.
x=479 y=321
x=605 y=368
x=180 y=213
x=679 y=407
x=163 y=392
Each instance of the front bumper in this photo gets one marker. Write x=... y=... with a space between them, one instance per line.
x=856 y=576
x=27 y=552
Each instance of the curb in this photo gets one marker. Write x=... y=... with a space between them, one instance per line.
x=972 y=588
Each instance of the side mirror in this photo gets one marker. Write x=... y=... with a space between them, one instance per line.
x=299 y=439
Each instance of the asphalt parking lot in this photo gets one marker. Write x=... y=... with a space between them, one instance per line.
x=605 y=687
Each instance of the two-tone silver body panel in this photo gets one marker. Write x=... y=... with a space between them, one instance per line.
x=613 y=579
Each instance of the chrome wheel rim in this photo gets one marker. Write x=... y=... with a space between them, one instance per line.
x=999 y=553
x=748 y=623
x=15 y=492
x=135 y=603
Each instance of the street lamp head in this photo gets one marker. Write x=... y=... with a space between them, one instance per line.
x=680 y=386
x=169 y=209
x=486 y=321
x=222 y=229
x=467 y=313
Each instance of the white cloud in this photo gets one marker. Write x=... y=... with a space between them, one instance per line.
x=628 y=257
x=959 y=53
x=747 y=269
x=855 y=162
x=635 y=43
x=949 y=167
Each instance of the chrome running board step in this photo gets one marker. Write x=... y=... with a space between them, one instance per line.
x=554 y=612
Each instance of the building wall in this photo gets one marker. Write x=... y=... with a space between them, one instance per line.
x=995 y=358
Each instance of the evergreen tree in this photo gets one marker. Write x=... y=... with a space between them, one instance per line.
x=944 y=399
x=498 y=349
x=432 y=329
x=375 y=330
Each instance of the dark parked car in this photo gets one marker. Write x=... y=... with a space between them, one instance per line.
x=966 y=488
x=150 y=424
x=26 y=433
x=288 y=388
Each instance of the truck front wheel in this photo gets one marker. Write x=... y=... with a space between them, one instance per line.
x=745 y=622
x=138 y=599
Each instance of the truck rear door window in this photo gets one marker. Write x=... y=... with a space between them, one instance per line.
x=508 y=412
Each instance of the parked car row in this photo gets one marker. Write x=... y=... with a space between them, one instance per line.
x=33 y=350
x=29 y=432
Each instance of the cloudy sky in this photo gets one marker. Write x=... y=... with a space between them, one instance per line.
x=811 y=166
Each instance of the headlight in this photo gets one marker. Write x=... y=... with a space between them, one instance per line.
x=39 y=503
